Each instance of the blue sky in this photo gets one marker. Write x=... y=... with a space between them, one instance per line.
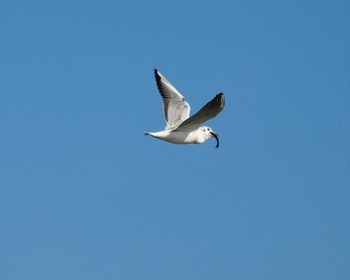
x=84 y=195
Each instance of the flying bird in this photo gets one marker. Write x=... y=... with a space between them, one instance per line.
x=180 y=127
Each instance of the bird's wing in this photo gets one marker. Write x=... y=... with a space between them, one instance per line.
x=176 y=108
x=209 y=111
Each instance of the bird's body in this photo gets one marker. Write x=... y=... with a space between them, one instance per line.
x=181 y=128
x=181 y=137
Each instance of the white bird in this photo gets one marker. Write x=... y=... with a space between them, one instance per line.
x=180 y=127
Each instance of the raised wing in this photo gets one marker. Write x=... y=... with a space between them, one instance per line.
x=176 y=108
x=209 y=111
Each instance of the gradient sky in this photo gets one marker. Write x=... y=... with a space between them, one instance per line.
x=84 y=195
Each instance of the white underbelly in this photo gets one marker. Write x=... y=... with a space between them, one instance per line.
x=181 y=137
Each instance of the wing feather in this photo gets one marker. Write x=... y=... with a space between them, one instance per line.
x=209 y=111
x=176 y=108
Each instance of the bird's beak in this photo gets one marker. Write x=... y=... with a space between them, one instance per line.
x=215 y=135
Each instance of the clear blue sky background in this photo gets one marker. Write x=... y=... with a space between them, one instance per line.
x=84 y=195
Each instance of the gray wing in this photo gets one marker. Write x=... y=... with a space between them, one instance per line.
x=176 y=108
x=209 y=111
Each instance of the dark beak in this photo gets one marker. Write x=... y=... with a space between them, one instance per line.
x=216 y=137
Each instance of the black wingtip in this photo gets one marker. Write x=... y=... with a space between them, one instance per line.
x=157 y=74
x=158 y=80
x=222 y=97
x=221 y=94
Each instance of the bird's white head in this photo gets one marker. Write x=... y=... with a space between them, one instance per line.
x=207 y=132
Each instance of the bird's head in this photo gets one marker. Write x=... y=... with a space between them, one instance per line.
x=208 y=132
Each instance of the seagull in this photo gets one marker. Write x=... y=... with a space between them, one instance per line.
x=180 y=127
